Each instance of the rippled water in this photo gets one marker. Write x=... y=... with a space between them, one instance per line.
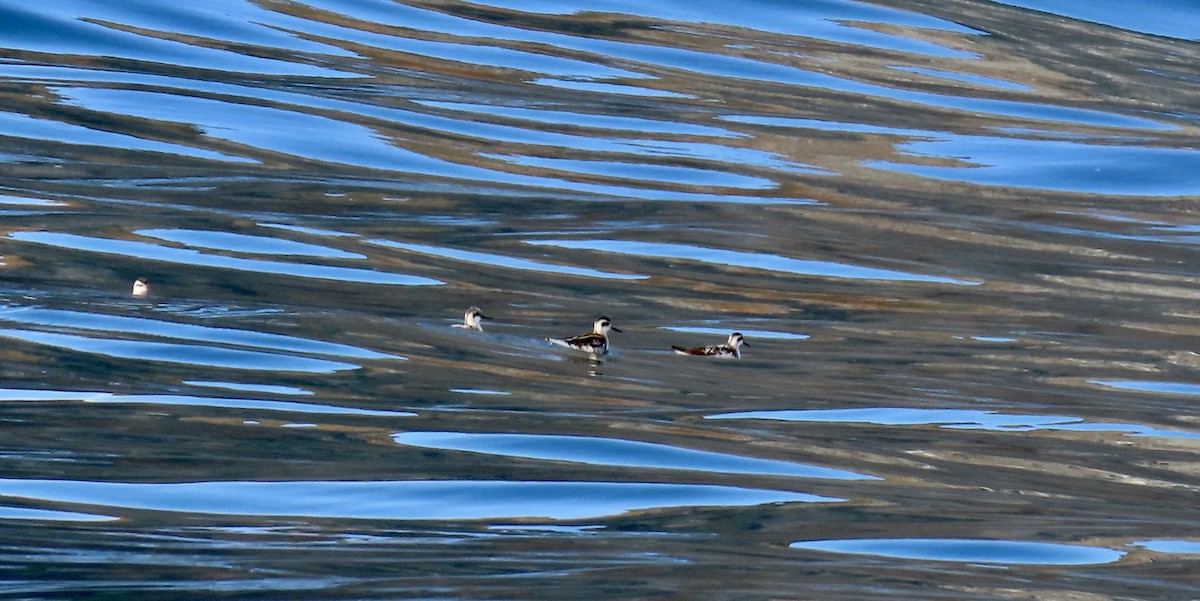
x=959 y=237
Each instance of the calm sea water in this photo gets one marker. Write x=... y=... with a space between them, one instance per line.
x=960 y=238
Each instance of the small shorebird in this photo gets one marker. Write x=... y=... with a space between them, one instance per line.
x=140 y=287
x=595 y=342
x=471 y=320
x=731 y=348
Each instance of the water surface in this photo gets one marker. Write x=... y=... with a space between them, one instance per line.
x=960 y=240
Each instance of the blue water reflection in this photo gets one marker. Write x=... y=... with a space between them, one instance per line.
x=258 y=127
x=1057 y=165
x=80 y=27
x=506 y=261
x=13 y=395
x=726 y=67
x=643 y=173
x=1150 y=386
x=189 y=354
x=1062 y=165
x=961 y=419
x=968 y=550
x=1179 y=547
x=24 y=126
x=49 y=515
x=401 y=500
x=615 y=452
x=1173 y=18
x=152 y=327
x=243 y=387
x=733 y=258
x=597 y=121
x=824 y=19
x=245 y=243
x=178 y=400
x=322 y=138
x=187 y=256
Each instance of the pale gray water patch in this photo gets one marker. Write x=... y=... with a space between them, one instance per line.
x=188 y=354
x=401 y=500
x=750 y=260
x=48 y=515
x=245 y=243
x=495 y=260
x=968 y=550
x=187 y=256
x=615 y=452
x=749 y=334
x=153 y=327
x=958 y=419
x=24 y=126
x=242 y=387
x=1058 y=165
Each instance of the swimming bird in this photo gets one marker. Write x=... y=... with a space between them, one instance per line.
x=731 y=348
x=595 y=342
x=140 y=287
x=471 y=320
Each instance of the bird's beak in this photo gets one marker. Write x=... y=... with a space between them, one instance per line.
x=482 y=316
x=744 y=343
x=614 y=328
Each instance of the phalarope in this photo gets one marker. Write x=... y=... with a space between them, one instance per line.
x=471 y=320
x=731 y=348
x=595 y=342
x=140 y=287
